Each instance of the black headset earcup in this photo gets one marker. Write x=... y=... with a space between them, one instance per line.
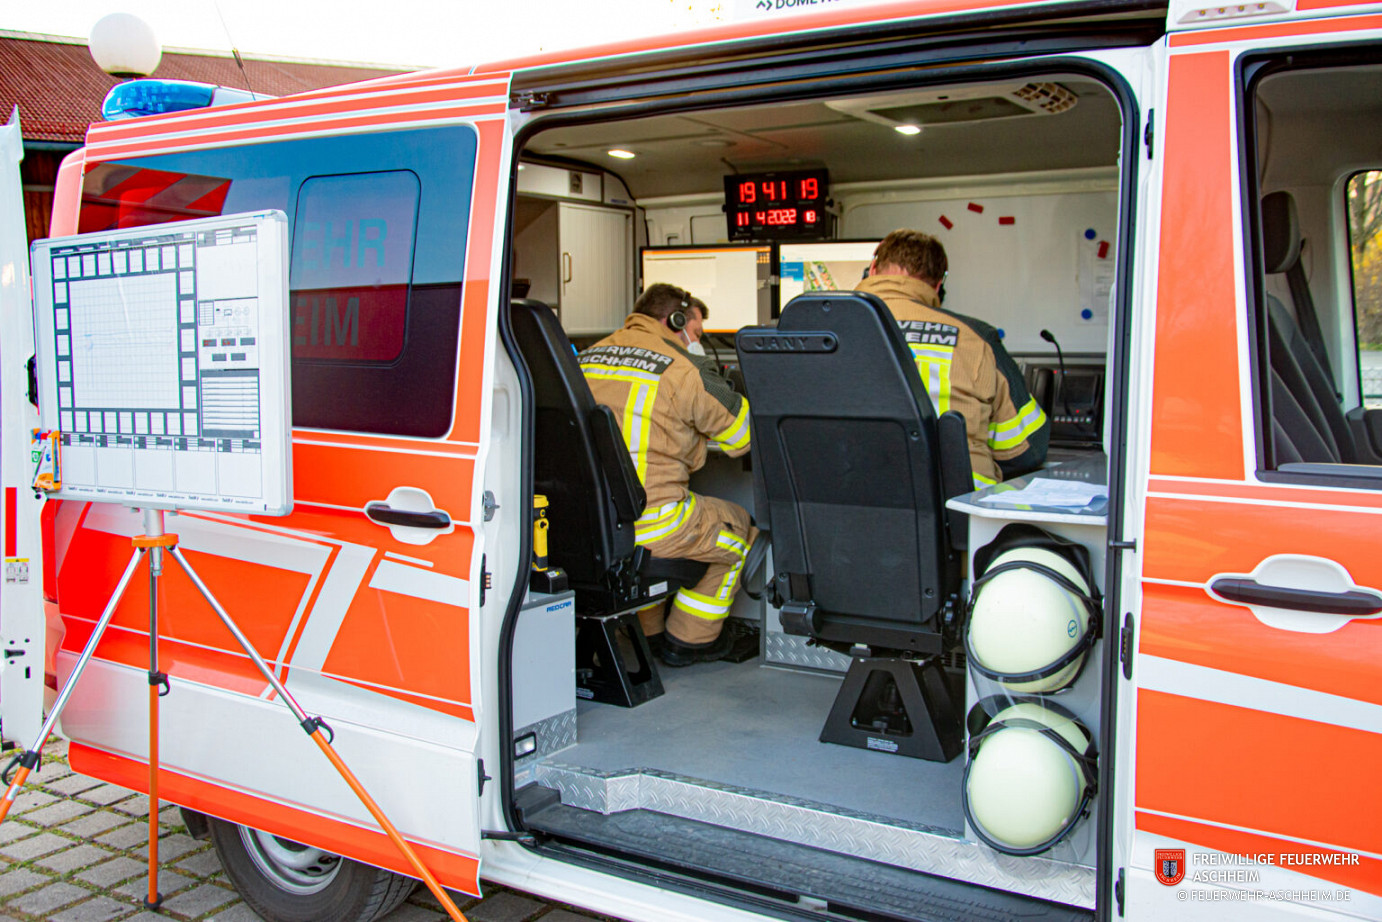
x=676 y=321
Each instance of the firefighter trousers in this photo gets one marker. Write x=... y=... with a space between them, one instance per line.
x=697 y=528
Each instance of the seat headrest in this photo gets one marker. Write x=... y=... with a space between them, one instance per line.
x=1280 y=232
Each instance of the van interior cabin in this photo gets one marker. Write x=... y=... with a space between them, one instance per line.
x=718 y=772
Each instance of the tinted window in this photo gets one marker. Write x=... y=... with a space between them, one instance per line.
x=1363 y=202
x=378 y=248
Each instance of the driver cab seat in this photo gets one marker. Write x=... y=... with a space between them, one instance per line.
x=582 y=466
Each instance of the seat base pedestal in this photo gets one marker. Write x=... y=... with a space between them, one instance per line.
x=896 y=706
x=601 y=674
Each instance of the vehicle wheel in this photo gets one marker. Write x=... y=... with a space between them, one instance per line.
x=286 y=881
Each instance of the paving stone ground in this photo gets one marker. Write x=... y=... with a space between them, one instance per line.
x=74 y=849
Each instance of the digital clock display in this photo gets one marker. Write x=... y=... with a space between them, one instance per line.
x=771 y=206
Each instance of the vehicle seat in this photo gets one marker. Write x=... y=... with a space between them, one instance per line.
x=582 y=465
x=1296 y=346
x=852 y=469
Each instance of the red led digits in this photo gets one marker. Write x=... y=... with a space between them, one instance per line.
x=778 y=205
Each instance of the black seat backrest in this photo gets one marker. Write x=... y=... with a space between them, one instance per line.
x=1296 y=346
x=846 y=466
x=581 y=463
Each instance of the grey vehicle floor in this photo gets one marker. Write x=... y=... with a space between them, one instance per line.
x=757 y=727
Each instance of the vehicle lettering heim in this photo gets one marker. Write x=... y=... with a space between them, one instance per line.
x=1071 y=695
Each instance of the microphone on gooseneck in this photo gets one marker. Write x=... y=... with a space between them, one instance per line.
x=1060 y=357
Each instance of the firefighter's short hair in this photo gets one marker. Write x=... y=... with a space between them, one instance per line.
x=660 y=299
x=699 y=305
x=919 y=255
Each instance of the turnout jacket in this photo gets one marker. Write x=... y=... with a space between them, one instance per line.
x=668 y=404
x=964 y=367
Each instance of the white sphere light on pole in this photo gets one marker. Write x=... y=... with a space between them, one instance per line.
x=123 y=45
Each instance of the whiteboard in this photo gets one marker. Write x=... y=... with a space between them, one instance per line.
x=734 y=282
x=162 y=357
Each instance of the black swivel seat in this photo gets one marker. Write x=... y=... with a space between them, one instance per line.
x=851 y=472
x=582 y=466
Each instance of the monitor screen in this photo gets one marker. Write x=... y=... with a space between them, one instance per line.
x=733 y=281
x=836 y=265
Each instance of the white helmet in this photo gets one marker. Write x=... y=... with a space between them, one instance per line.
x=1032 y=620
x=1030 y=776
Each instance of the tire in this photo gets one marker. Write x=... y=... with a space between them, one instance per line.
x=285 y=881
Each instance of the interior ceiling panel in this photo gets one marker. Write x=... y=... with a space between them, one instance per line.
x=689 y=153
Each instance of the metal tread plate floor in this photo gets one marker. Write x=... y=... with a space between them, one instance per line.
x=849 y=886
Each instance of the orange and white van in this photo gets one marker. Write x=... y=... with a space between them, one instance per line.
x=1186 y=197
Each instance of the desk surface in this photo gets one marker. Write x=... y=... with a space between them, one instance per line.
x=1006 y=500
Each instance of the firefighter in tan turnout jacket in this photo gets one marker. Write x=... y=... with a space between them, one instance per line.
x=671 y=403
x=962 y=363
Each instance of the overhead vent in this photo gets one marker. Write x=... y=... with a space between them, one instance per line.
x=960 y=105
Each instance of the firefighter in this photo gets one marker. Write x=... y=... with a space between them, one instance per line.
x=962 y=362
x=671 y=406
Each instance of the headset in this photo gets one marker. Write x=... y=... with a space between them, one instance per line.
x=676 y=321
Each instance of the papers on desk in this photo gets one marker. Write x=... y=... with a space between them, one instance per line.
x=1074 y=495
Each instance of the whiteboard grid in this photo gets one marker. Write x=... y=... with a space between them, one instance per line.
x=124 y=342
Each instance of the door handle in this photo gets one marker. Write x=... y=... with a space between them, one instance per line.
x=1249 y=591
x=566 y=268
x=385 y=514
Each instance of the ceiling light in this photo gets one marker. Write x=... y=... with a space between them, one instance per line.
x=621 y=154
x=908 y=130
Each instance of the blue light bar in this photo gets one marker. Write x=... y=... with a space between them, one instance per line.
x=150 y=97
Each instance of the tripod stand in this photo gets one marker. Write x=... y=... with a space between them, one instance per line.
x=155 y=542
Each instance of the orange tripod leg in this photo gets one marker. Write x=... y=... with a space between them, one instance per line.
x=389 y=829
x=30 y=759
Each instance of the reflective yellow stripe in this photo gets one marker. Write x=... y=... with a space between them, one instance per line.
x=1012 y=432
x=933 y=364
x=737 y=435
x=638 y=425
x=980 y=481
x=732 y=543
x=656 y=524
x=701 y=606
x=638 y=409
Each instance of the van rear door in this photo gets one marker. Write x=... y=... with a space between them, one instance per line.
x=21 y=593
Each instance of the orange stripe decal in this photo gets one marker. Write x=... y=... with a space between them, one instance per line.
x=1196 y=426
x=1277 y=29
x=458 y=871
x=1285 y=776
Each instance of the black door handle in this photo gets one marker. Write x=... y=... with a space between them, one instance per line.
x=385 y=514
x=1251 y=592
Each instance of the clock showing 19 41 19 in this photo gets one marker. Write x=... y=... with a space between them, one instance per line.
x=777 y=206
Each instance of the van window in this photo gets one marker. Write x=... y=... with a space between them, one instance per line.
x=1363 y=201
x=1317 y=223
x=378 y=235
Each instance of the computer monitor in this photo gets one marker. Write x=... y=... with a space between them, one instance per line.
x=831 y=265
x=733 y=281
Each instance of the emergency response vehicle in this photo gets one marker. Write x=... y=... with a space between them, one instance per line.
x=1144 y=682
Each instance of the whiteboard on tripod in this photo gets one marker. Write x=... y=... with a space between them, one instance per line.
x=162 y=356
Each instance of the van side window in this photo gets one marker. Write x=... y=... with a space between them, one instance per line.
x=378 y=237
x=1312 y=122
x=1363 y=201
